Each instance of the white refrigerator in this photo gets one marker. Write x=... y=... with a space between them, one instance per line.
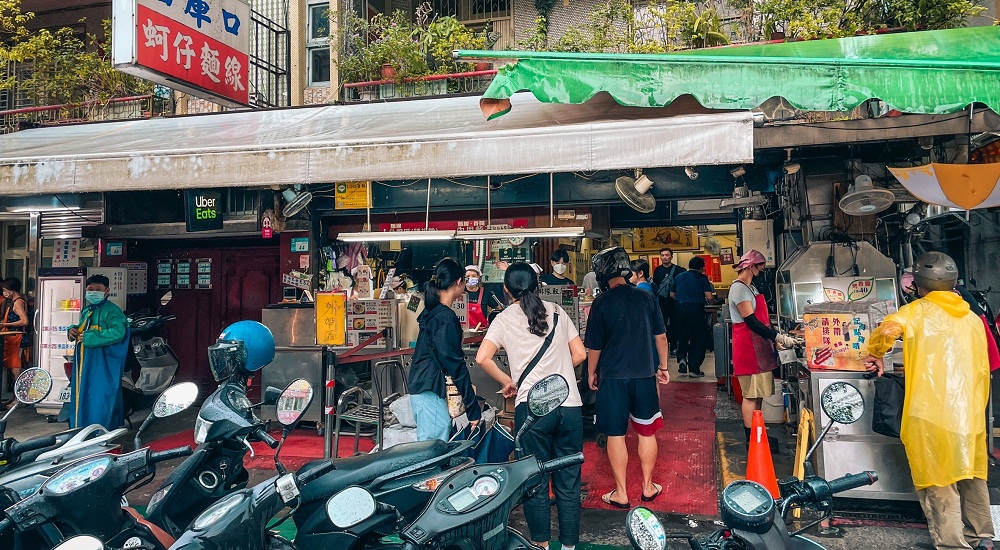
x=60 y=299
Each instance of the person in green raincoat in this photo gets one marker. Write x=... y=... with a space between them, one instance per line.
x=947 y=384
x=99 y=360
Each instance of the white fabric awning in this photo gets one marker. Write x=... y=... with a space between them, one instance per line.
x=445 y=137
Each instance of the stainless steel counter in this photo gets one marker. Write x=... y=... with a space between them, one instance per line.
x=296 y=354
x=855 y=447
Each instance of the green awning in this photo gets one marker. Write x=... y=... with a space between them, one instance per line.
x=931 y=72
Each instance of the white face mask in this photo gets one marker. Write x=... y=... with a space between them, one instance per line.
x=472 y=282
x=559 y=268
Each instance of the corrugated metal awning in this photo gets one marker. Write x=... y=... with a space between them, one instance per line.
x=444 y=137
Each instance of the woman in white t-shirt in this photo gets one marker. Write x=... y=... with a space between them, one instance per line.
x=522 y=331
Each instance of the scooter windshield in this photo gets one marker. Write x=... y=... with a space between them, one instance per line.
x=224 y=357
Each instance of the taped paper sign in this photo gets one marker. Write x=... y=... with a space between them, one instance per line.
x=836 y=341
x=331 y=318
x=849 y=289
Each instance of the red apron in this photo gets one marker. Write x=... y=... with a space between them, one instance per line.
x=476 y=314
x=752 y=353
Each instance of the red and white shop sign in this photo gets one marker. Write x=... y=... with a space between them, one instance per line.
x=197 y=46
x=456 y=225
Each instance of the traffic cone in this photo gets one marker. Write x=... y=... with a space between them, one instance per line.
x=760 y=468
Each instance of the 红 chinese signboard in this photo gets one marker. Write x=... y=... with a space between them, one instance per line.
x=197 y=46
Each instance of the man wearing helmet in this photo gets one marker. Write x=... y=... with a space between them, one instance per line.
x=624 y=371
x=947 y=387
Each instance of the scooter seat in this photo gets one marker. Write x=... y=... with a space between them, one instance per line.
x=358 y=470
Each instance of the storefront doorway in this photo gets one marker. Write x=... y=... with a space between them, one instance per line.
x=243 y=280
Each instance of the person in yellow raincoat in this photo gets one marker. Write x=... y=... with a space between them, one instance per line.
x=947 y=378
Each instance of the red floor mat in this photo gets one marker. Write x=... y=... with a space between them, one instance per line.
x=300 y=447
x=686 y=464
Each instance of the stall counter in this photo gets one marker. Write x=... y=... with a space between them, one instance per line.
x=855 y=447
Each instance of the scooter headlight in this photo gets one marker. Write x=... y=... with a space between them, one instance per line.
x=217 y=511
x=201 y=429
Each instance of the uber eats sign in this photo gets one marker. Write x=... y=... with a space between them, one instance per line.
x=204 y=210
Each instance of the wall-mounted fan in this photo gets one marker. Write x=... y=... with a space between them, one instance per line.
x=865 y=199
x=635 y=192
x=713 y=246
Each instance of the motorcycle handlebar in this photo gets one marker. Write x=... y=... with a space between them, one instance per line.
x=170 y=454
x=33 y=445
x=316 y=473
x=562 y=462
x=262 y=435
x=852 y=481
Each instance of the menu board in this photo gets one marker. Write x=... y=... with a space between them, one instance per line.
x=366 y=318
x=566 y=296
x=461 y=308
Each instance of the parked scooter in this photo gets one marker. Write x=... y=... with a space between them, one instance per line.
x=85 y=497
x=470 y=509
x=406 y=473
x=152 y=357
x=25 y=465
x=754 y=521
x=224 y=429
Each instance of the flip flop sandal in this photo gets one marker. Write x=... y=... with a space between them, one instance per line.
x=607 y=500
x=659 y=489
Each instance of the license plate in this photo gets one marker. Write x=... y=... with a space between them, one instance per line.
x=64 y=394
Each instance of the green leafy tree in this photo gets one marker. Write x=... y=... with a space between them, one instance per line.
x=59 y=67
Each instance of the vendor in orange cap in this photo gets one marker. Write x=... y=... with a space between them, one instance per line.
x=482 y=302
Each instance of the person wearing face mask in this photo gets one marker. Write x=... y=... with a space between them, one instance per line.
x=15 y=319
x=99 y=359
x=560 y=265
x=481 y=302
x=754 y=339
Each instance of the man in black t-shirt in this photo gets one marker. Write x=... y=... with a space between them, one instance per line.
x=622 y=322
x=663 y=282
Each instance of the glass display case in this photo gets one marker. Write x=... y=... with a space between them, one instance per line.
x=800 y=279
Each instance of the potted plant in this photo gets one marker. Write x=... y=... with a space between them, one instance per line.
x=445 y=35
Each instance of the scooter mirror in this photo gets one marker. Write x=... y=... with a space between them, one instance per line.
x=32 y=386
x=350 y=507
x=294 y=401
x=645 y=530
x=83 y=542
x=165 y=299
x=843 y=403
x=547 y=395
x=175 y=399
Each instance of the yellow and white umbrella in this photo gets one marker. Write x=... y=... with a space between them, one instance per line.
x=965 y=186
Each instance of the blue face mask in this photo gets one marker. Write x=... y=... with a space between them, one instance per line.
x=94 y=297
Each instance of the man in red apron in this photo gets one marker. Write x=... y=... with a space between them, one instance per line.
x=753 y=338
x=481 y=302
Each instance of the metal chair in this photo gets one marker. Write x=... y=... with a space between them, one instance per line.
x=366 y=408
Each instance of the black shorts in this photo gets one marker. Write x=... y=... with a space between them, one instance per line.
x=621 y=401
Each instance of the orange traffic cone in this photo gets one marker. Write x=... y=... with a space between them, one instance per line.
x=760 y=468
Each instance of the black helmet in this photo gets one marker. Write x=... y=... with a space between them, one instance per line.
x=610 y=263
x=935 y=271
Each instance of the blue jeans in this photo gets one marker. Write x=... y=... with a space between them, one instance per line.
x=431 y=414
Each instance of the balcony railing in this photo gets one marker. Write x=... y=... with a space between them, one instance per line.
x=433 y=85
x=123 y=108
